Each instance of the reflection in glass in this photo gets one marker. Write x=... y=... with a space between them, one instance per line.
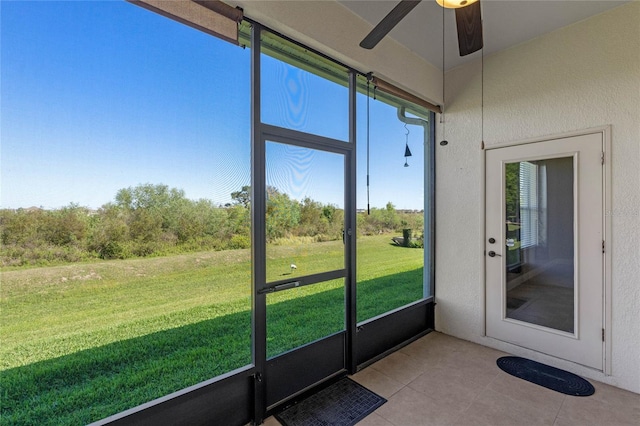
x=311 y=96
x=539 y=242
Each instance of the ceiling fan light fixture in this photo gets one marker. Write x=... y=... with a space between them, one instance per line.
x=468 y=24
x=455 y=4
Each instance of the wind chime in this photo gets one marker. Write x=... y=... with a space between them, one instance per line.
x=407 y=151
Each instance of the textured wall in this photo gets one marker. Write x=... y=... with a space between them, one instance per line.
x=582 y=76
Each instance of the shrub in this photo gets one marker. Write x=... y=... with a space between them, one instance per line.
x=239 y=242
x=144 y=248
x=112 y=250
x=418 y=242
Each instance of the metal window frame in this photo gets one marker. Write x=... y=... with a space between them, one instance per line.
x=239 y=397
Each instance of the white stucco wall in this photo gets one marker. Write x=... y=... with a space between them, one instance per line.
x=579 y=77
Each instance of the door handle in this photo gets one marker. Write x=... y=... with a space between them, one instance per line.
x=279 y=287
x=494 y=254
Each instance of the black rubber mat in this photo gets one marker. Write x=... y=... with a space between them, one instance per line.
x=545 y=375
x=343 y=403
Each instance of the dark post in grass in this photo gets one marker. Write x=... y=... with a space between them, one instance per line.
x=406 y=237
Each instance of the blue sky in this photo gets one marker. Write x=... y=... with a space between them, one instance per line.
x=99 y=96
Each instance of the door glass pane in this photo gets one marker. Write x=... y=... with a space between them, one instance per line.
x=305 y=211
x=131 y=277
x=540 y=242
x=390 y=243
x=302 y=315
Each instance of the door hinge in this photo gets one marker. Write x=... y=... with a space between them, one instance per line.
x=603 y=246
x=602 y=157
x=603 y=334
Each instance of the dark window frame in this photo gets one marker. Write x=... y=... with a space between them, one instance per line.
x=238 y=397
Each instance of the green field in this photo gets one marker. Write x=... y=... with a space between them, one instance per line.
x=84 y=341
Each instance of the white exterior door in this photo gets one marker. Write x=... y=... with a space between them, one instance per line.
x=544 y=247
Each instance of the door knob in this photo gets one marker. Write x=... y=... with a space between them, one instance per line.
x=494 y=254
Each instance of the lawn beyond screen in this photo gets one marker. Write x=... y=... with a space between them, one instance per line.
x=126 y=267
x=125 y=212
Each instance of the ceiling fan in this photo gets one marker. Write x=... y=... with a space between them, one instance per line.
x=468 y=23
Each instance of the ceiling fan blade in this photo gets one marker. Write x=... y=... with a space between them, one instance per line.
x=469 y=25
x=388 y=22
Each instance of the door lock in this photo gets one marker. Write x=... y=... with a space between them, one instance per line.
x=494 y=254
x=492 y=240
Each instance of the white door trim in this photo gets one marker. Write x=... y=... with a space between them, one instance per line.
x=605 y=131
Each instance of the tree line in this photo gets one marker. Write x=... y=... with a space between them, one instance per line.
x=153 y=219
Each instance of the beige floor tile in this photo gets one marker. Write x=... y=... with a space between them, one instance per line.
x=440 y=385
x=374 y=419
x=400 y=367
x=427 y=352
x=433 y=351
x=446 y=341
x=481 y=354
x=471 y=368
x=566 y=421
x=271 y=421
x=377 y=382
x=527 y=393
x=602 y=408
x=615 y=397
x=412 y=408
x=493 y=409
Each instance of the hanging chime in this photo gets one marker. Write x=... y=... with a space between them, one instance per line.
x=407 y=151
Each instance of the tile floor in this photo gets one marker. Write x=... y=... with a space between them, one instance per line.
x=546 y=298
x=441 y=380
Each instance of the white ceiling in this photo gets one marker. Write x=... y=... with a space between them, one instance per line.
x=506 y=23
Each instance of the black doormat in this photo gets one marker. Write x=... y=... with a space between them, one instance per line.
x=545 y=375
x=343 y=403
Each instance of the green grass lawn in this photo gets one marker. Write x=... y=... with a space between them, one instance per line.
x=84 y=341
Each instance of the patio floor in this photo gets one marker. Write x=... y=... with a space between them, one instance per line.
x=441 y=380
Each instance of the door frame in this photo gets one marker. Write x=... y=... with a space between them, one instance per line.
x=263 y=394
x=605 y=132
x=288 y=375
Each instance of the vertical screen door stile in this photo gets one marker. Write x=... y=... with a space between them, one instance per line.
x=544 y=260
